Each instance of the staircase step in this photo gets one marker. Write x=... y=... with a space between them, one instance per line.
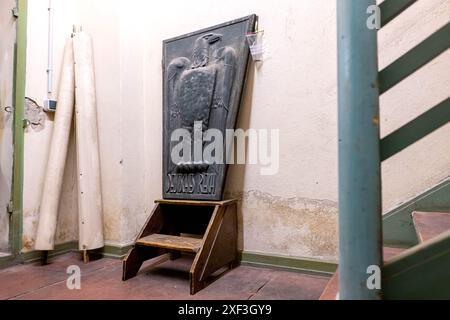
x=430 y=224
x=184 y=244
x=391 y=252
x=332 y=289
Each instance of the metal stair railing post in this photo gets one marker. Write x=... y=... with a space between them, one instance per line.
x=360 y=236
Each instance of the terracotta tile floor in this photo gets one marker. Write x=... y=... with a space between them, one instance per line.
x=101 y=279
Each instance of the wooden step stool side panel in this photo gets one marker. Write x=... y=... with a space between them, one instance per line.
x=154 y=223
x=224 y=251
x=138 y=254
x=219 y=247
x=136 y=257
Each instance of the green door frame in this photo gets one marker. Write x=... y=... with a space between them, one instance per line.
x=16 y=221
x=18 y=140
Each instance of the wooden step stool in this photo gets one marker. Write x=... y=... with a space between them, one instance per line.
x=207 y=229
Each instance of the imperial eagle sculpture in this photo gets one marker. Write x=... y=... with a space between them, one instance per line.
x=204 y=73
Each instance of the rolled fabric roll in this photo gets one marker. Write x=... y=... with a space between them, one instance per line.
x=90 y=211
x=48 y=215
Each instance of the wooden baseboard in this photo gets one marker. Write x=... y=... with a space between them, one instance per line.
x=296 y=264
x=303 y=265
x=32 y=256
x=110 y=251
x=115 y=252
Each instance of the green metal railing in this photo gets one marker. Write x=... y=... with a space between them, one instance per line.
x=361 y=150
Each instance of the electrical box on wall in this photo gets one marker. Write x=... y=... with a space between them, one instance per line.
x=50 y=105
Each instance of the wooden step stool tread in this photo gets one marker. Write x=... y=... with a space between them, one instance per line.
x=430 y=224
x=185 y=244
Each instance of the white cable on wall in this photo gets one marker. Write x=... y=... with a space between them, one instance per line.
x=50 y=52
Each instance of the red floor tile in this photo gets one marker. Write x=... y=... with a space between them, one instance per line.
x=101 y=279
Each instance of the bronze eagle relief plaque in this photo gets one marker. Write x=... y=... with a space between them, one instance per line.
x=204 y=74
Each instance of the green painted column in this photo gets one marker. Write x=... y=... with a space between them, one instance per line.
x=360 y=237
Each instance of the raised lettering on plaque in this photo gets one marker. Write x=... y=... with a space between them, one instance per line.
x=204 y=74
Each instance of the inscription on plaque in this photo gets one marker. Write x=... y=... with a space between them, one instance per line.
x=204 y=183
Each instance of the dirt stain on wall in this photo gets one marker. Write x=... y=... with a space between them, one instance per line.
x=296 y=226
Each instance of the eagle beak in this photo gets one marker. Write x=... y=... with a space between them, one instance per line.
x=213 y=38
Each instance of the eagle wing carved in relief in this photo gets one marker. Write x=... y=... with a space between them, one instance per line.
x=174 y=72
